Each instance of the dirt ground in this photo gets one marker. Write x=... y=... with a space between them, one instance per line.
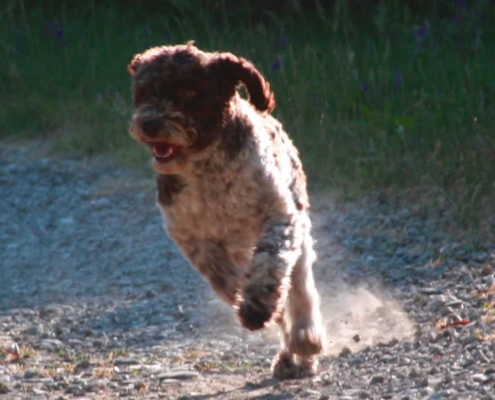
x=102 y=305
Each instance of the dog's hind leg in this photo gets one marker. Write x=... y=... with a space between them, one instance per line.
x=305 y=328
x=287 y=364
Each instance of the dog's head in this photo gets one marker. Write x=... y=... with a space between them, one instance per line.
x=182 y=97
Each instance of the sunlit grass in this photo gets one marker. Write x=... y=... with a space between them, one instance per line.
x=398 y=102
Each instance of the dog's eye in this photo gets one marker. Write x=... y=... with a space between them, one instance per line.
x=186 y=94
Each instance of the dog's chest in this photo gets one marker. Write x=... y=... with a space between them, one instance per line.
x=227 y=207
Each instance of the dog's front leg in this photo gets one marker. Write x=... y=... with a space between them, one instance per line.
x=268 y=279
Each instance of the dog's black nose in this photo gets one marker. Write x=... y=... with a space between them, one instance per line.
x=151 y=127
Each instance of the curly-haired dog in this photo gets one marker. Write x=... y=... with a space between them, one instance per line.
x=232 y=190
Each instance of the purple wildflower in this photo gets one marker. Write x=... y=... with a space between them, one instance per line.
x=421 y=31
x=365 y=87
x=277 y=65
x=398 y=79
x=461 y=5
x=282 y=42
x=461 y=9
x=55 y=31
x=59 y=33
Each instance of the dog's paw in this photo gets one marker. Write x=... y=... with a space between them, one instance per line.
x=254 y=315
x=306 y=340
x=308 y=366
x=286 y=366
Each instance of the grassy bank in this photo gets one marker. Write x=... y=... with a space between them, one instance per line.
x=397 y=100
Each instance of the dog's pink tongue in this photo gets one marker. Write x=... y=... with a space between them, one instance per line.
x=162 y=149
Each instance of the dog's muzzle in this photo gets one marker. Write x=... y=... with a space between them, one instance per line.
x=164 y=152
x=160 y=141
x=151 y=127
x=165 y=131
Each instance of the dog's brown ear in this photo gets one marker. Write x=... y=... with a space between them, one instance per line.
x=230 y=70
x=135 y=63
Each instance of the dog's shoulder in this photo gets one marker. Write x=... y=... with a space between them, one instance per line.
x=281 y=158
x=258 y=142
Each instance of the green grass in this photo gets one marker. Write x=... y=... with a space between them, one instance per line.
x=399 y=101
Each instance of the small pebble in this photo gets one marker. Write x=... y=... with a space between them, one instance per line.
x=377 y=379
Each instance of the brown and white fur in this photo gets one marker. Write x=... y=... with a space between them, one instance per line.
x=232 y=191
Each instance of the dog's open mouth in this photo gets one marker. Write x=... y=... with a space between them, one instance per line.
x=164 y=152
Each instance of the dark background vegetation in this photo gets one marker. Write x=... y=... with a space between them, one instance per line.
x=396 y=95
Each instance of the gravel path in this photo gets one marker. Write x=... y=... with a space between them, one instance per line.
x=97 y=303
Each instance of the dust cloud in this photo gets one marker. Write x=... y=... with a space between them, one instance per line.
x=357 y=318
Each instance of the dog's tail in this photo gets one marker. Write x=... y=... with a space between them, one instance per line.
x=232 y=70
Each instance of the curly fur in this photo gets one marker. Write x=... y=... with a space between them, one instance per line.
x=232 y=190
